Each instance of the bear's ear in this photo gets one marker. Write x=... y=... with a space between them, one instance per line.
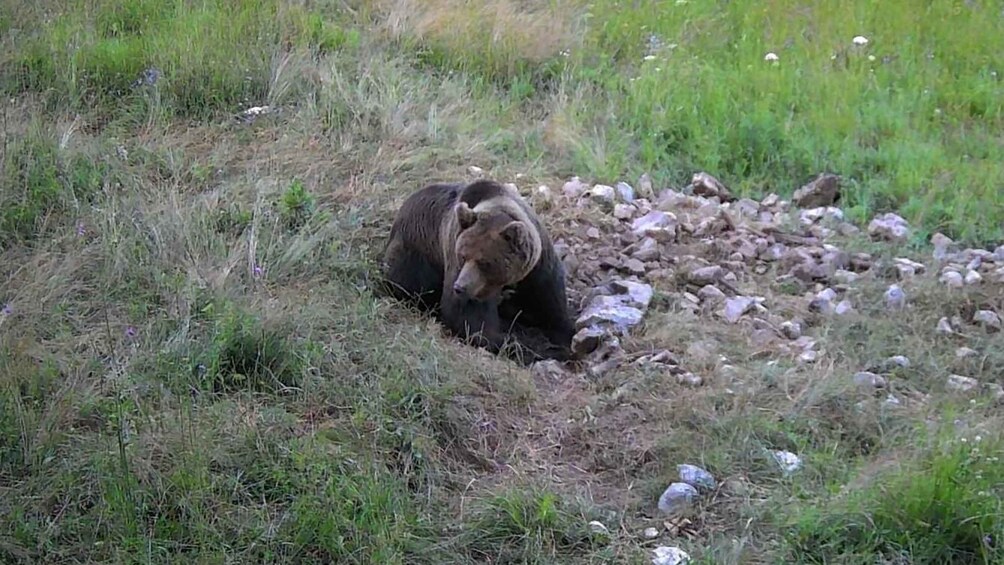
x=514 y=233
x=465 y=216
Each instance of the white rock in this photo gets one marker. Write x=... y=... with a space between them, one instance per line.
x=895 y=297
x=943 y=246
x=677 y=498
x=891 y=401
x=973 y=277
x=651 y=533
x=610 y=310
x=999 y=254
x=696 y=477
x=598 y=527
x=843 y=307
x=791 y=330
x=624 y=211
x=603 y=195
x=666 y=555
x=711 y=293
x=543 y=192
x=657 y=224
x=475 y=171
x=860 y=40
x=788 y=461
x=574 y=188
x=706 y=275
x=736 y=307
x=958 y=383
x=988 y=319
x=809 y=356
x=901 y=361
x=952 y=279
x=626 y=191
x=890 y=227
x=689 y=379
x=965 y=352
x=868 y=380
x=639 y=293
x=944 y=327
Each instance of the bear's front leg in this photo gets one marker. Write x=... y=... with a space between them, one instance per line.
x=474 y=321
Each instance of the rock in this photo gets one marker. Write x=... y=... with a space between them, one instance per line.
x=587 y=340
x=843 y=307
x=952 y=279
x=736 y=306
x=625 y=191
x=634 y=266
x=944 y=327
x=548 y=369
x=907 y=267
x=958 y=383
x=841 y=276
x=603 y=195
x=657 y=224
x=895 y=297
x=574 y=188
x=711 y=294
x=708 y=186
x=999 y=254
x=943 y=246
x=667 y=555
x=791 y=330
x=475 y=171
x=965 y=352
x=997 y=391
x=651 y=533
x=598 y=527
x=645 y=189
x=610 y=310
x=706 y=275
x=689 y=379
x=988 y=319
x=868 y=380
x=788 y=461
x=677 y=498
x=890 y=401
x=900 y=361
x=890 y=227
x=823 y=302
x=696 y=477
x=823 y=191
x=543 y=194
x=640 y=294
x=973 y=277
x=624 y=211
x=808 y=357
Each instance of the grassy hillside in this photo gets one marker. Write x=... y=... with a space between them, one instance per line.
x=193 y=367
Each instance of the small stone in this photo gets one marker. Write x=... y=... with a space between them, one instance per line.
x=952 y=279
x=647 y=250
x=587 y=340
x=900 y=361
x=890 y=227
x=791 y=330
x=708 y=186
x=548 y=369
x=843 y=307
x=544 y=194
x=677 y=498
x=997 y=391
x=958 y=383
x=943 y=246
x=645 y=189
x=866 y=379
x=706 y=275
x=634 y=266
x=736 y=306
x=965 y=352
x=988 y=319
x=711 y=293
x=475 y=171
x=603 y=195
x=999 y=254
x=625 y=191
x=823 y=302
x=667 y=555
x=624 y=211
x=895 y=297
x=944 y=327
x=696 y=477
x=574 y=188
x=689 y=379
x=598 y=527
x=891 y=401
x=657 y=224
x=808 y=357
x=907 y=267
x=823 y=191
x=651 y=533
x=973 y=277
x=841 y=276
x=788 y=461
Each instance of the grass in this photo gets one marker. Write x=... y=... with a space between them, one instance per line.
x=193 y=367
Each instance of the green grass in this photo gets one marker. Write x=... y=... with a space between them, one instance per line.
x=193 y=366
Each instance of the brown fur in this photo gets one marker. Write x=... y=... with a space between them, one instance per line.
x=453 y=249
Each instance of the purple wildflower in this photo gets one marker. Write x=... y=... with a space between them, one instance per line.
x=80 y=229
x=7 y=310
x=258 y=271
x=130 y=332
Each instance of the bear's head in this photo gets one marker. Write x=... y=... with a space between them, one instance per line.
x=494 y=250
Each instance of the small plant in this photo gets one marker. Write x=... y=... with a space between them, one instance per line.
x=297 y=205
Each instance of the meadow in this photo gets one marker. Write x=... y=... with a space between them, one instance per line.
x=194 y=368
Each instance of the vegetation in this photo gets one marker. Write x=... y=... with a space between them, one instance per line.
x=193 y=366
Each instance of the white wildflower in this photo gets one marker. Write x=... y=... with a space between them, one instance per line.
x=771 y=57
x=860 y=40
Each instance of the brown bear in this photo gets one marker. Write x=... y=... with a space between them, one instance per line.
x=477 y=256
